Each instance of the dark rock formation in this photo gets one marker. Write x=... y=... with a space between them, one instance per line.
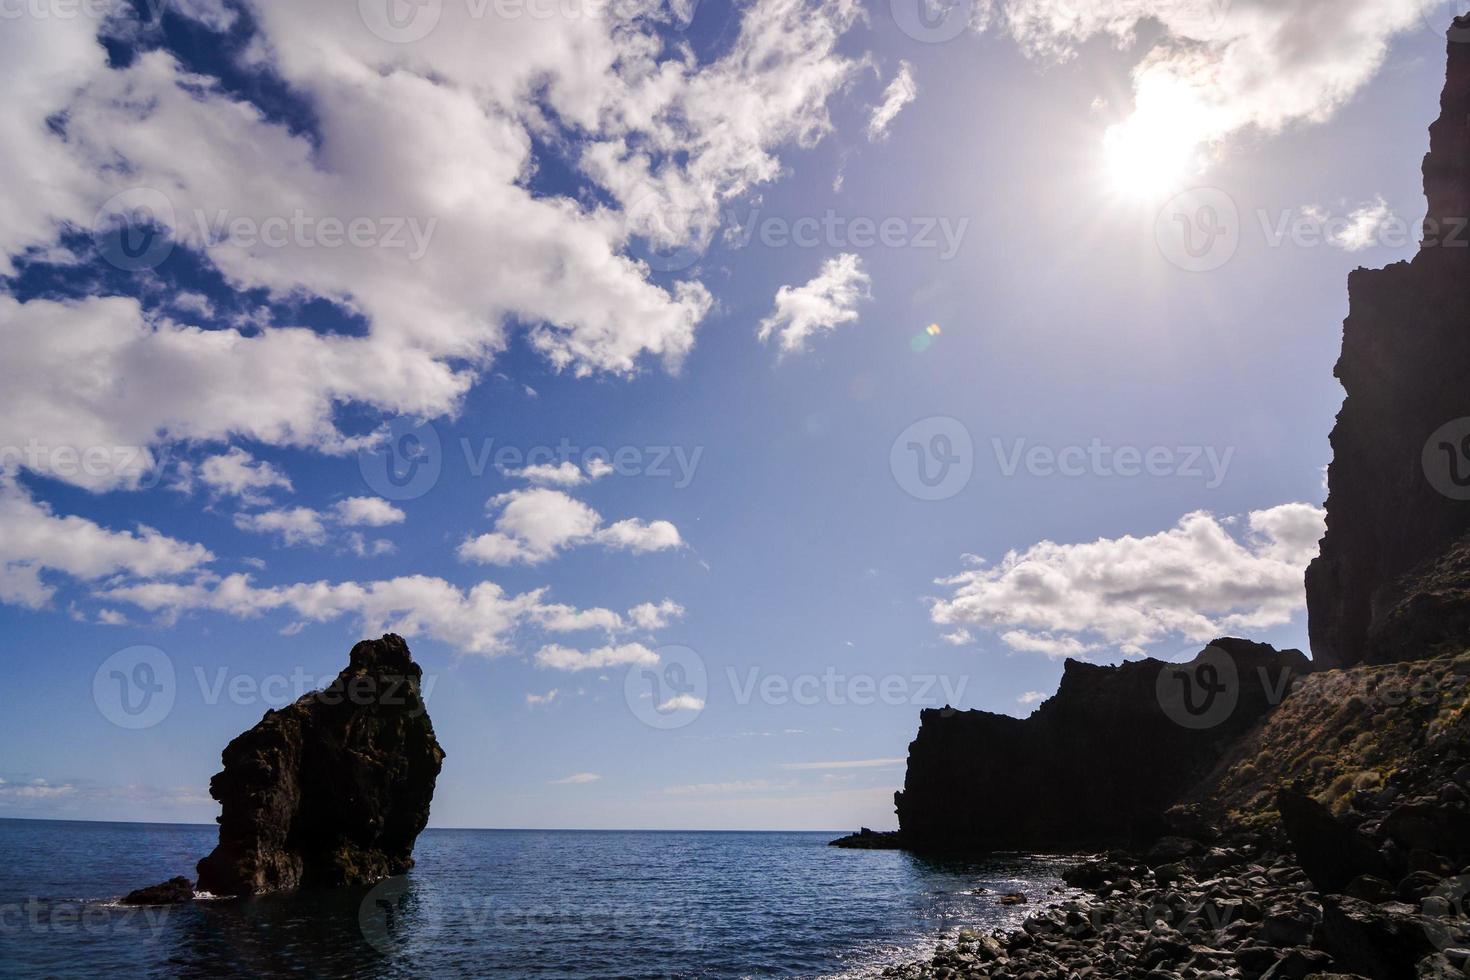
x=171 y=892
x=870 y=840
x=1400 y=481
x=332 y=790
x=1100 y=762
x=1331 y=853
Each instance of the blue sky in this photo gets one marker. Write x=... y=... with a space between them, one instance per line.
x=756 y=549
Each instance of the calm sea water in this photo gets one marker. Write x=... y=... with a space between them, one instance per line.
x=501 y=903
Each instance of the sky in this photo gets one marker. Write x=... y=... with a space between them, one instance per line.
x=702 y=388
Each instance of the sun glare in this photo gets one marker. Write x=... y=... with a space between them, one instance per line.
x=1157 y=149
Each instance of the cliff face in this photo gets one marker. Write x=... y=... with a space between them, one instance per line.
x=1100 y=762
x=1400 y=476
x=332 y=790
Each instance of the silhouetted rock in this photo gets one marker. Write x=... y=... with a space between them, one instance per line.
x=870 y=840
x=1100 y=762
x=1399 y=481
x=1329 y=851
x=171 y=892
x=331 y=790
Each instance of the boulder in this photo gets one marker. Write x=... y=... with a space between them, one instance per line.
x=170 y=892
x=332 y=790
x=1381 y=942
x=1331 y=853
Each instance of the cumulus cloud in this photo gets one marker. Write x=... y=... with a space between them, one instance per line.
x=536 y=523
x=1031 y=697
x=900 y=92
x=34 y=540
x=1194 y=581
x=294 y=525
x=557 y=657
x=367 y=512
x=236 y=473
x=436 y=137
x=819 y=306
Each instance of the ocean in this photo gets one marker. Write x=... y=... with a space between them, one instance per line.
x=503 y=903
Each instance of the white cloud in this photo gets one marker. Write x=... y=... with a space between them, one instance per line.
x=576 y=779
x=1359 y=230
x=558 y=657
x=1031 y=697
x=435 y=137
x=236 y=473
x=819 y=306
x=34 y=540
x=1195 y=581
x=958 y=638
x=367 y=512
x=637 y=535
x=536 y=700
x=294 y=525
x=563 y=474
x=651 y=616
x=900 y=92
x=682 y=702
x=536 y=523
x=1222 y=66
x=480 y=619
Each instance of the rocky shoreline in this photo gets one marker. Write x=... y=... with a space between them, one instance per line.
x=1378 y=893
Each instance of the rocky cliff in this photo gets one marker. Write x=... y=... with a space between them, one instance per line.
x=331 y=790
x=1400 y=476
x=1099 y=762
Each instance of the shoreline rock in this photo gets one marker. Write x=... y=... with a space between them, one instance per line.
x=175 y=891
x=871 y=840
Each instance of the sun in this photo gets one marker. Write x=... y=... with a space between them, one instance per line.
x=1155 y=151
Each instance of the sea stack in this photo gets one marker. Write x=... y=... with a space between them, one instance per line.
x=332 y=790
x=1388 y=583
